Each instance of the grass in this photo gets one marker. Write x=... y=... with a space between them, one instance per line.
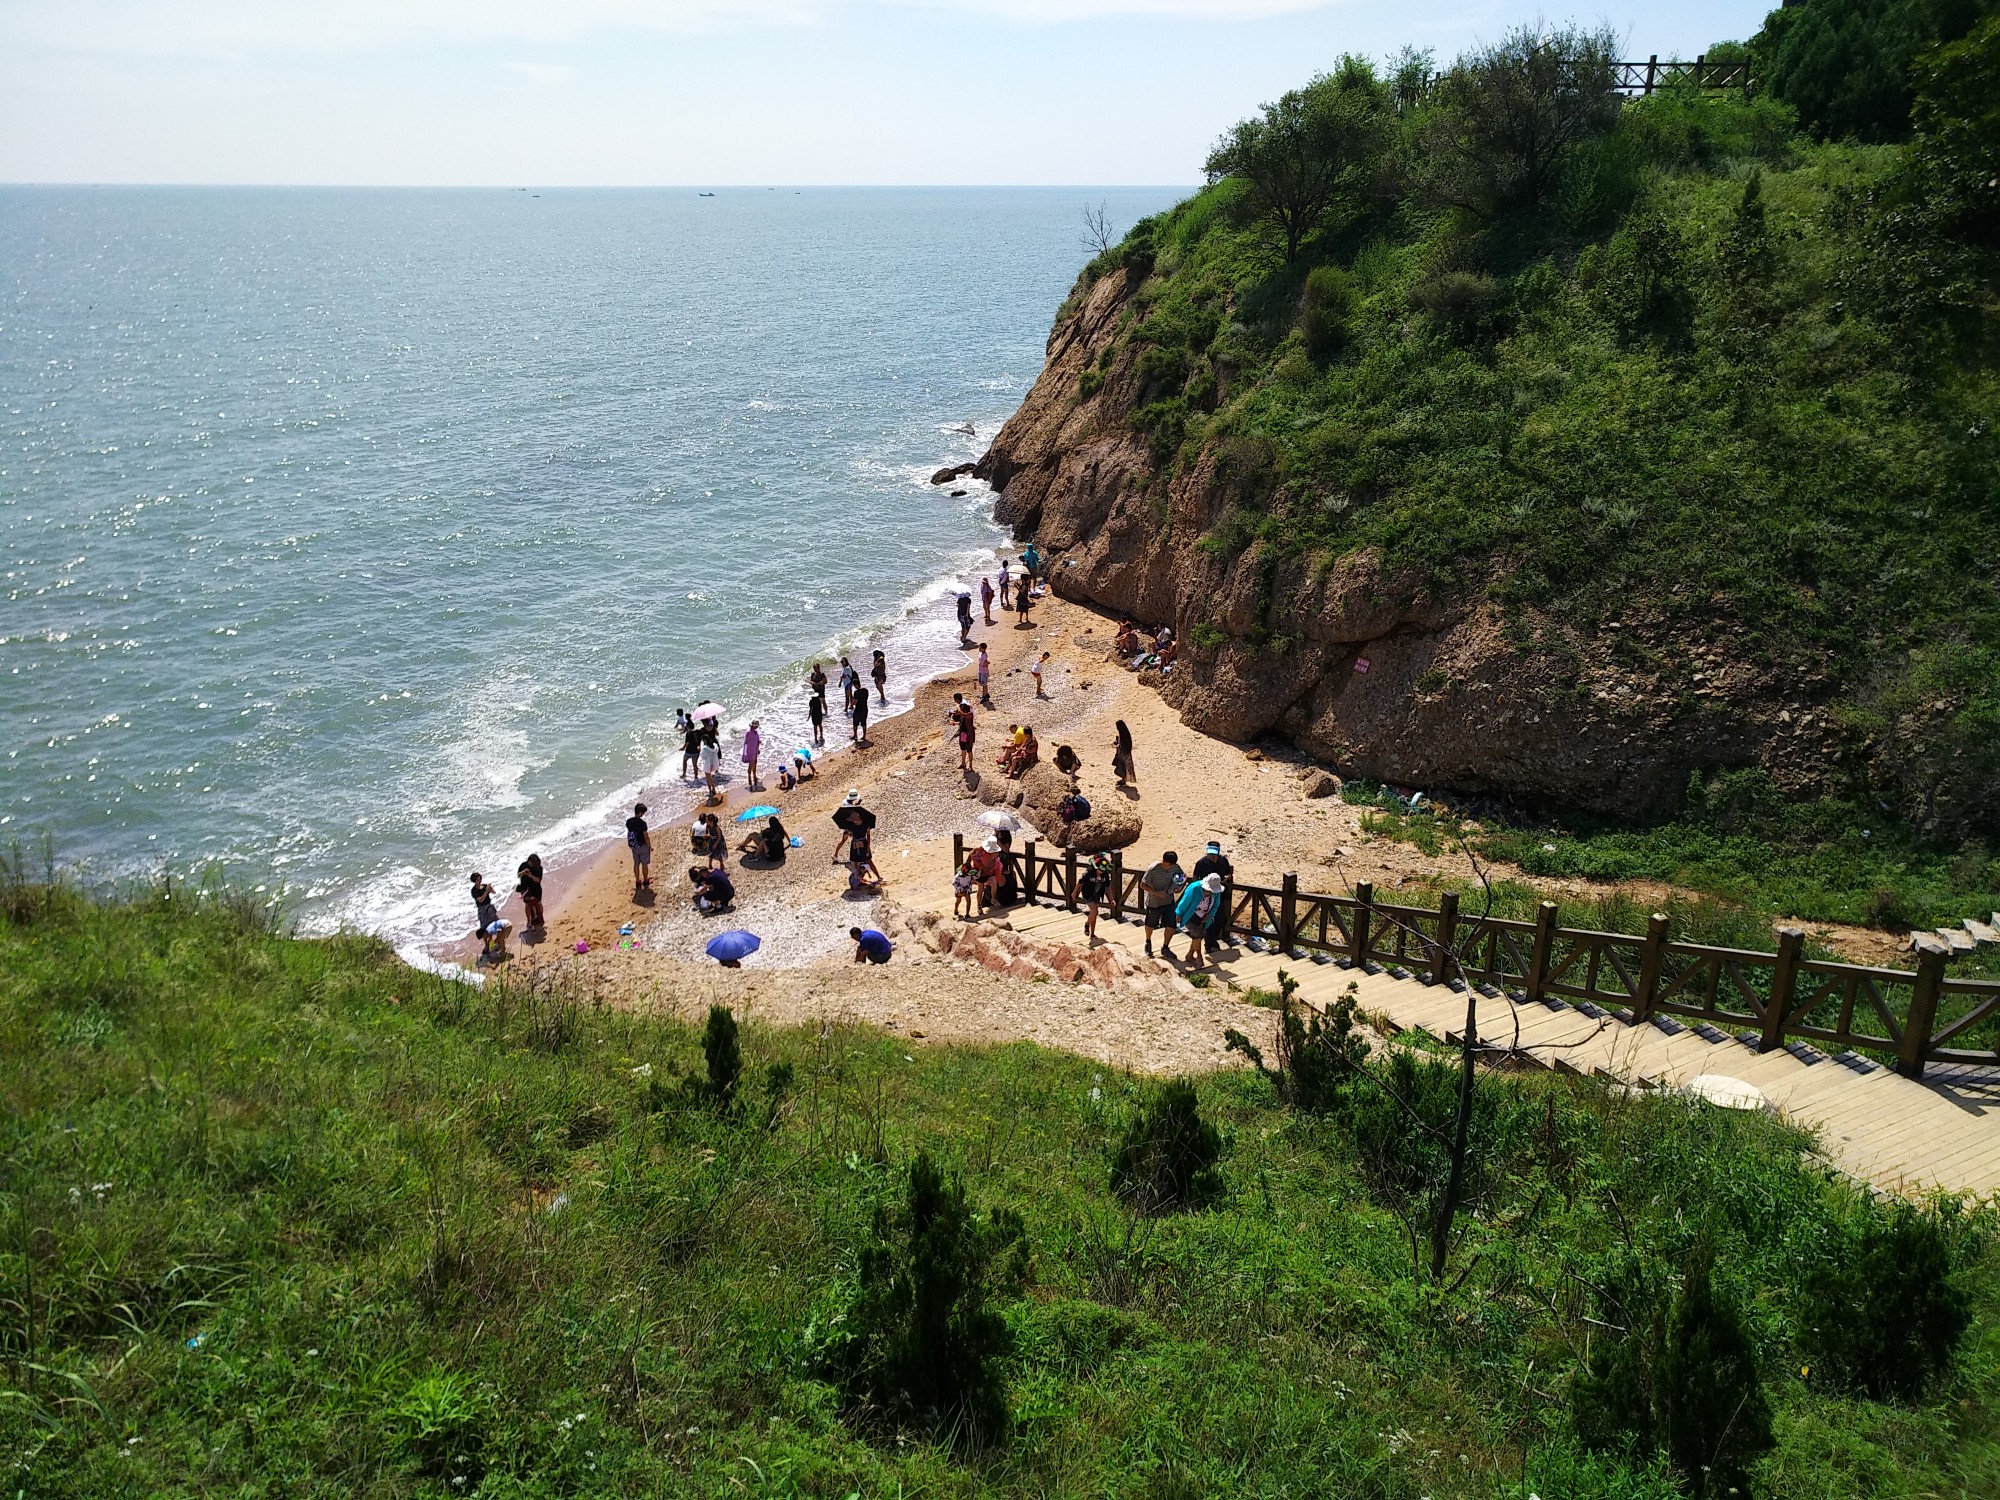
x=282 y=1216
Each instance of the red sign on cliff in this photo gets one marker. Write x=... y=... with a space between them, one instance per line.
x=1361 y=665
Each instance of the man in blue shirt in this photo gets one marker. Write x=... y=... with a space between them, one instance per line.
x=870 y=946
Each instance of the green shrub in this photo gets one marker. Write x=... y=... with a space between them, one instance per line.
x=441 y=1424
x=1325 y=305
x=1319 y=1055
x=724 y=1057
x=1090 y=383
x=1677 y=1377
x=1886 y=1310
x=1168 y=1157
x=923 y=1343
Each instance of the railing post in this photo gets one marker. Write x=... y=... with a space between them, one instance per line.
x=1650 y=963
x=1364 y=921
x=957 y=852
x=1288 y=913
x=1697 y=68
x=1545 y=937
x=1028 y=872
x=1447 y=933
x=1069 y=878
x=1784 y=975
x=1652 y=70
x=1923 y=1015
x=1117 y=886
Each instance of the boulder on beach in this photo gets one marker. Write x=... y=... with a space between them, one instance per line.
x=1319 y=783
x=1114 y=822
x=946 y=476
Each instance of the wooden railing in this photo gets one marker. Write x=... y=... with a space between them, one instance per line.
x=1644 y=77
x=1915 y=1017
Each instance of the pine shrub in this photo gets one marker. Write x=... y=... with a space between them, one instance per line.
x=924 y=1343
x=1318 y=1054
x=1169 y=1155
x=1681 y=1380
x=1886 y=1309
x=724 y=1057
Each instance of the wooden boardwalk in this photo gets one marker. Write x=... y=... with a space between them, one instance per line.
x=1900 y=1134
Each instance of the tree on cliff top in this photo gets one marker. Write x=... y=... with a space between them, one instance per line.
x=1310 y=153
x=1506 y=120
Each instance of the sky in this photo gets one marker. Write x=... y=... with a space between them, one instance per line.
x=700 y=92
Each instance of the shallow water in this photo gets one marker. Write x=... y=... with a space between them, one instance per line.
x=350 y=538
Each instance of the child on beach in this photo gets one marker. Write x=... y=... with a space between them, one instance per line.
x=711 y=758
x=482 y=901
x=965 y=892
x=786 y=780
x=1006 y=585
x=1036 y=672
x=858 y=710
x=690 y=748
x=986 y=597
x=640 y=842
x=529 y=887
x=985 y=675
x=753 y=742
x=1024 y=599
x=816 y=711
x=880 y=672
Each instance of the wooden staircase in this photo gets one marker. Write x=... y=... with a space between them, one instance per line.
x=1898 y=1133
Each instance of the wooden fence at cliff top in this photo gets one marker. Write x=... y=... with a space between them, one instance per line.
x=1769 y=1000
x=1643 y=78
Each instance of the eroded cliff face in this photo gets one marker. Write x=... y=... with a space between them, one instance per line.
x=1356 y=664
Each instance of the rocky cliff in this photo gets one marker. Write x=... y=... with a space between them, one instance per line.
x=1358 y=664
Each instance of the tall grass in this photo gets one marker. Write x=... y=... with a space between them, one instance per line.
x=284 y=1216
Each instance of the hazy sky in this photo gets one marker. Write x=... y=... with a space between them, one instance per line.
x=697 y=91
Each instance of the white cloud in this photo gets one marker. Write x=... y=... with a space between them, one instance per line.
x=258 y=28
x=542 y=75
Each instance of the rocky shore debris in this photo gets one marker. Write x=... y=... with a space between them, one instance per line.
x=956 y=471
x=996 y=946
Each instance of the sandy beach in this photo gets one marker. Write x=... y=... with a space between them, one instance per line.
x=1189 y=789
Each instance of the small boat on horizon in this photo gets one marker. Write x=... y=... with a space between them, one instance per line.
x=704 y=195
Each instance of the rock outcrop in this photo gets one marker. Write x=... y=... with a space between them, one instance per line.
x=1353 y=661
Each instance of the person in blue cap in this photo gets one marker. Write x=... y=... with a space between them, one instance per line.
x=870 y=946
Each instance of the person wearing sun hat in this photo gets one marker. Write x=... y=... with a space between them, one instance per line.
x=1214 y=862
x=1195 y=910
x=987 y=868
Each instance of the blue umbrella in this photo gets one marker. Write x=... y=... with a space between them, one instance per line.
x=731 y=946
x=761 y=810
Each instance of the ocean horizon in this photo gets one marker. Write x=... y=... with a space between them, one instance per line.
x=355 y=537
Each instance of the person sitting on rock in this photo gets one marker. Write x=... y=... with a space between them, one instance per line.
x=1026 y=753
x=1068 y=761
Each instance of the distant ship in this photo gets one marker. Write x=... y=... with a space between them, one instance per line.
x=704 y=195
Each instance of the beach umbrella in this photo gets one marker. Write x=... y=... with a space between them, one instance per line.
x=761 y=810
x=709 y=711
x=852 y=818
x=999 y=817
x=733 y=945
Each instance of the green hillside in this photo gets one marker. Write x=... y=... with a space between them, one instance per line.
x=1712 y=367
x=284 y=1217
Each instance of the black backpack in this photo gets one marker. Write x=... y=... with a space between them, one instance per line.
x=1074 y=808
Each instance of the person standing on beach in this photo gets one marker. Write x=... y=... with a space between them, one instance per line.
x=1031 y=560
x=816 y=712
x=640 y=841
x=1006 y=584
x=1121 y=756
x=849 y=681
x=817 y=680
x=528 y=886
x=964 y=618
x=880 y=672
x=858 y=715
x=753 y=744
x=711 y=757
x=1022 y=600
x=690 y=747
x=986 y=597
x=482 y=902
x=985 y=676
x=1036 y=672
x=969 y=733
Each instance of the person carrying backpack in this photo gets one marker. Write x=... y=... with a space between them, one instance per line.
x=1094 y=887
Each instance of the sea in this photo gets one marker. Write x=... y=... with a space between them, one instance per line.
x=354 y=539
